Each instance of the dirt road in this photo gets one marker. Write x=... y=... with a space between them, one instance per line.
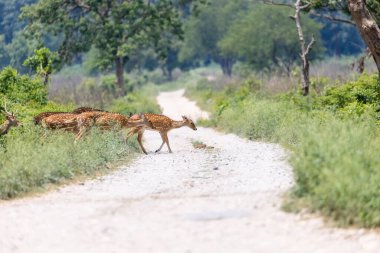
x=221 y=199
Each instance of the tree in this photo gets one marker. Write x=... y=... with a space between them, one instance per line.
x=368 y=28
x=205 y=31
x=9 y=22
x=13 y=47
x=305 y=50
x=114 y=28
x=266 y=38
x=366 y=16
x=42 y=63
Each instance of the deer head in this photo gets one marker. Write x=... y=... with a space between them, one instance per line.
x=11 y=121
x=188 y=122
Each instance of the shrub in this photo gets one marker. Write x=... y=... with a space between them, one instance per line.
x=21 y=88
x=359 y=96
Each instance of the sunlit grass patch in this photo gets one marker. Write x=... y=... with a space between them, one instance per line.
x=28 y=161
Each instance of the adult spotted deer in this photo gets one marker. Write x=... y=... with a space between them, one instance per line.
x=10 y=121
x=161 y=124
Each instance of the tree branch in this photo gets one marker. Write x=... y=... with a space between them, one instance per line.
x=82 y=5
x=309 y=46
x=331 y=18
x=303 y=7
x=270 y=2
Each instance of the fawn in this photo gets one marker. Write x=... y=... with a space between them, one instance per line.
x=87 y=109
x=161 y=124
x=81 y=123
x=10 y=121
x=37 y=119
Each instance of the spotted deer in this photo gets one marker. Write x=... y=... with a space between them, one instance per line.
x=161 y=124
x=87 y=109
x=10 y=121
x=81 y=123
x=37 y=119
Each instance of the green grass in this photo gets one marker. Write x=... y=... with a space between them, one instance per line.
x=336 y=161
x=29 y=162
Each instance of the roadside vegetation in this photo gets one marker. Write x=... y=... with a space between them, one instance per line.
x=333 y=138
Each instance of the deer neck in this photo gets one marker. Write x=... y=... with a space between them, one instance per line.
x=5 y=127
x=178 y=124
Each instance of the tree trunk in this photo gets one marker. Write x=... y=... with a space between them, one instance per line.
x=120 y=76
x=170 y=74
x=368 y=28
x=227 y=64
x=304 y=50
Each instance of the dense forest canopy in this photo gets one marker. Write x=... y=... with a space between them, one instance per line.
x=222 y=31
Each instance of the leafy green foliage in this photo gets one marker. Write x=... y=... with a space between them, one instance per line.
x=116 y=29
x=42 y=62
x=21 y=88
x=266 y=37
x=352 y=99
x=249 y=31
x=14 y=48
x=204 y=31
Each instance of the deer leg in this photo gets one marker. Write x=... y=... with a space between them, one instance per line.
x=132 y=132
x=81 y=132
x=166 y=139
x=84 y=126
x=139 y=139
x=163 y=142
x=167 y=142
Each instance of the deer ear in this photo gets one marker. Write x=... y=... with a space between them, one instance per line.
x=142 y=115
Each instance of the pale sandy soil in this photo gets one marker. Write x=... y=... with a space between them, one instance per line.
x=225 y=199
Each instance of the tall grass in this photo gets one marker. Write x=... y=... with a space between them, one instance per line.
x=337 y=168
x=334 y=146
x=28 y=161
x=336 y=161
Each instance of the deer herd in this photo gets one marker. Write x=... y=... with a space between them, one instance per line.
x=82 y=119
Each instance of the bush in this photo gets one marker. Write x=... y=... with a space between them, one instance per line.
x=358 y=97
x=21 y=88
